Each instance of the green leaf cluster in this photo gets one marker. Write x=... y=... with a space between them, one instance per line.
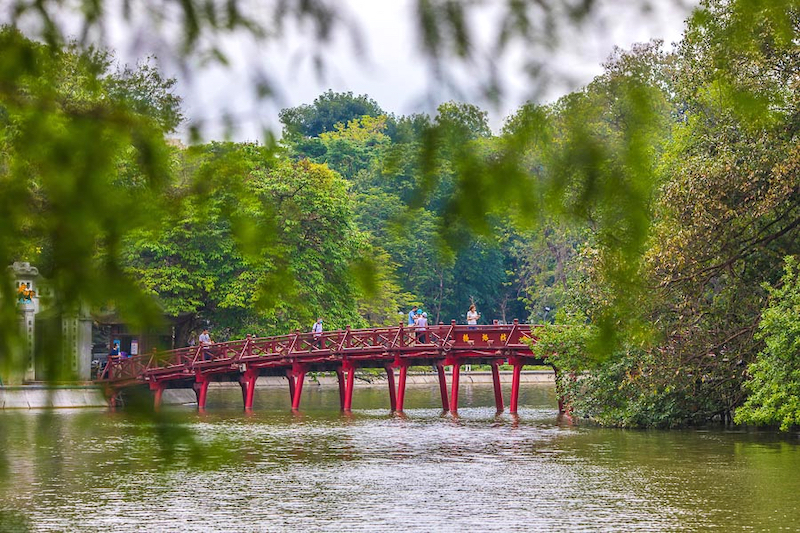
x=774 y=382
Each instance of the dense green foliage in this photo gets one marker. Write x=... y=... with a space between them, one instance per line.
x=266 y=248
x=387 y=174
x=725 y=213
x=775 y=385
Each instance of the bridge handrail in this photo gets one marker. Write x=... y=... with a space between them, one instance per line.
x=297 y=344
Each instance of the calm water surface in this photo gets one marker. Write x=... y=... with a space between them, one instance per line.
x=319 y=470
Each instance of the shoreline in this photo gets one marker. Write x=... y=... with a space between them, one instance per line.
x=80 y=395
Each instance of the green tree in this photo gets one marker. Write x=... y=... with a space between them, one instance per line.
x=725 y=210
x=267 y=250
x=774 y=382
x=328 y=110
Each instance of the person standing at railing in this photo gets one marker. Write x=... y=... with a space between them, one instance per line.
x=412 y=316
x=205 y=342
x=422 y=326
x=472 y=317
x=316 y=329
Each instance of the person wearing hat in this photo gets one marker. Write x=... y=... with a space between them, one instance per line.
x=422 y=326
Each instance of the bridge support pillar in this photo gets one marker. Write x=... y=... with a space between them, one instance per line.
x=290 y=379
x=454 y=386
x=113 y=398
x=348 y=387
x=248 y=382
x=442 y=386
x=401 y=387
x=498 y=391
x=200 y=387
x=158 y=389
x=299 y=371
x=392 y=394
x=512 y=408
x=341 y=379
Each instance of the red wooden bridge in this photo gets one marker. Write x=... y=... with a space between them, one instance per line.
x=341 y=351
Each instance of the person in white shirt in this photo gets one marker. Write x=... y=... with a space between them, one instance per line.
x=472 y=316
x=316 y=329
x=205 y=341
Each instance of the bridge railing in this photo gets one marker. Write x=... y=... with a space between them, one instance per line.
x=308 y=346
x=125 y=368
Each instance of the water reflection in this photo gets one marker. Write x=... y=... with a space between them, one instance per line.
x=421 y=470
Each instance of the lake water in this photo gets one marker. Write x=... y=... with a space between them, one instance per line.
x=321 y=470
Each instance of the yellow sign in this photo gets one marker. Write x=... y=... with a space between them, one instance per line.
x=466 y=337
x=485 y=337
x=503 y=337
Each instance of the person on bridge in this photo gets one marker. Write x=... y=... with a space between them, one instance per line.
x=422 y=326
x=205 y=341
x=472 y=316
x=412 y=316
x=316 y=329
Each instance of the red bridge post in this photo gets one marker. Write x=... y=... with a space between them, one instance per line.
x=299 y=371
x=200 y=387
x=290 y=378
x=401 y=386
x=442 y=386
x=517 y=363
x=392 y=394
x=348 y=388
x=456 y=363
x=112 y=394
x=340 y=377
x=498 y=391
x=248 y=382
x=158 y=387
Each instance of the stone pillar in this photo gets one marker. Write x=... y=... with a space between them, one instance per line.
x=76 y=333
x=69 y=343
x=84 y=366
x=27 y=324
x=22 y=365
